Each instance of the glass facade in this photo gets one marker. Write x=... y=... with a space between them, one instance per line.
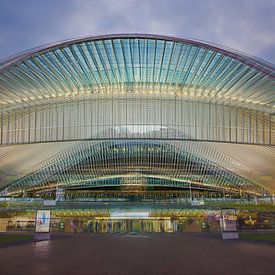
x=137 y=108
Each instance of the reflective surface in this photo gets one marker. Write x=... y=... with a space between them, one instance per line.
x=138 y=254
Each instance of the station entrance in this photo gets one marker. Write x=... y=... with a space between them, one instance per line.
x=130 y=225
x=102 y=225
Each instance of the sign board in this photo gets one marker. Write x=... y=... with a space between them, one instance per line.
x=229 y=223
x=60 y=194
x=42 y=222
x=230 y=217
x=49 y=202
x=126 y=214
x=196 y=202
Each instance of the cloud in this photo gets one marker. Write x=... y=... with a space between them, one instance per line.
x=246 y=25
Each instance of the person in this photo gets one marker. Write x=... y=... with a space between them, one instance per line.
x=174 y=223
x=96 y=226
x=75 y=228
x=127 y=226
x=89 y=227
x=161 y=227
x=131 y=225
x=142 y=226
x=81 y=227
x=110 y=226
x=119 y=226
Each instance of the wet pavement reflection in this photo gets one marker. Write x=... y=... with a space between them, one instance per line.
x=42 y=248
x=138 y=253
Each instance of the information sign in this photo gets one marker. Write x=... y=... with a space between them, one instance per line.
x=43 y=219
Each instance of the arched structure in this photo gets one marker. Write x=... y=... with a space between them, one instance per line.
x=169 y=111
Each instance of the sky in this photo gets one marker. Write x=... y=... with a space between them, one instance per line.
x=244 y=25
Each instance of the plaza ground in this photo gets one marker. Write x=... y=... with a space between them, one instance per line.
x=138 y=254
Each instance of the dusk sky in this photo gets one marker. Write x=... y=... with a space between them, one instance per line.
x=245 y=25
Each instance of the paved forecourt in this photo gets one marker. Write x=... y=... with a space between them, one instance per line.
x=138 y=254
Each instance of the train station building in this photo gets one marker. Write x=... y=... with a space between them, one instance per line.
x=133 y=126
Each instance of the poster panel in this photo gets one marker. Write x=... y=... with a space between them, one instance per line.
x=42 y=222
x=228 y=223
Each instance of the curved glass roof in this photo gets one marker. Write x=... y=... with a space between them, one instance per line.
x=132 y=66
x=134 y=62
